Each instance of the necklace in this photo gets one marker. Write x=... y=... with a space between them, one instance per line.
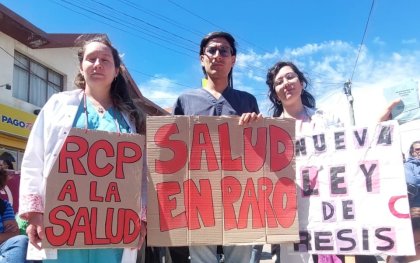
x=101 y=110
x=99 y=107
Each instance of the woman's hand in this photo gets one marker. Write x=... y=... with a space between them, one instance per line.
x=386 y=114
x=249 y=117
x=142 y=236
x=143 y=231
x=35 y=229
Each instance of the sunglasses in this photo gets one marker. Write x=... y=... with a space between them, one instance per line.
x=223 y=51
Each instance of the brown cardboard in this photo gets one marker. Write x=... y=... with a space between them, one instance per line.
x=211 y=178
x=95 y=173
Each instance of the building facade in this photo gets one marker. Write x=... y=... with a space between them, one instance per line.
x=35 y=65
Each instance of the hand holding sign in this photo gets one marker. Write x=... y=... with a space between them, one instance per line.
x=386 y=114
x=35 y=229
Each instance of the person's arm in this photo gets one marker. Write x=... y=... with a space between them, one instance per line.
x=10 y=226
x=31 y=196
x=35 y=229
x=386 y=113
x=11 y=229
x=32 y=170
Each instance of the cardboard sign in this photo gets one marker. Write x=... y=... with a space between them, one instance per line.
x=409 y=133
x=409 y=107
x=93 y=191
x=215 y=182
x=352 y=194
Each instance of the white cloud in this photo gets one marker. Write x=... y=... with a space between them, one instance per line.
x=314 y=48
x=378 y=41
x=375 y=73
x=252 y=59
x=329 y=65
x=409 y=41
x=161 y=90
x=326 y=65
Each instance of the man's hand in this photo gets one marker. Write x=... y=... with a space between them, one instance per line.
x=249 y=117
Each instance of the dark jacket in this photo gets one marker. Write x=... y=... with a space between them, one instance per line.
x=412 y=176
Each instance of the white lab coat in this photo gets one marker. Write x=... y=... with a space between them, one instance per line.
x=44 y=144
x=319 y=121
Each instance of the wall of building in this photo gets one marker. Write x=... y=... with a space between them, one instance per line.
x=62 y=60
x=16 y=115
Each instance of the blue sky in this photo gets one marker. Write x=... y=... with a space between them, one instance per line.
x=159 y=41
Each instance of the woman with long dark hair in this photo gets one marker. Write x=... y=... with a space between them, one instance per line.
x=101 y=102
x=291 y=99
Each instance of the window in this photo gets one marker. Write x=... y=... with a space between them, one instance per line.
x=33 y=82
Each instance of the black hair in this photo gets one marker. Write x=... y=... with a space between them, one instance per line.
x=277 y=107
x=3 y=178
x=8 y=163
x=229 y=38
x=412 y=148
x=119 y=88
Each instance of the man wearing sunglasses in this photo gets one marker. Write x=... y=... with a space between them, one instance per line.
x=216 y=98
